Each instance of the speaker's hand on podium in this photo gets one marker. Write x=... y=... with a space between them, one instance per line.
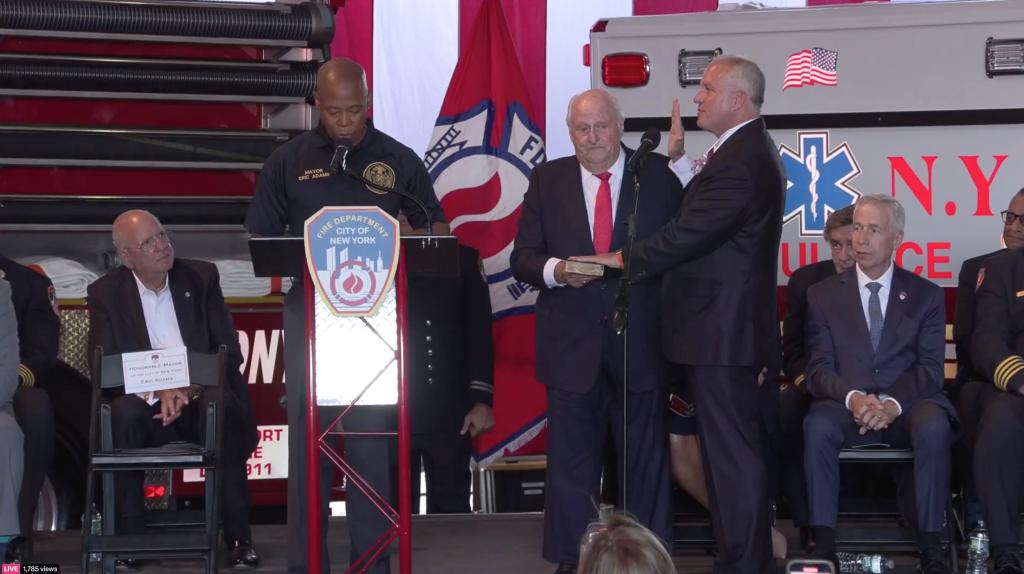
x=479 y=420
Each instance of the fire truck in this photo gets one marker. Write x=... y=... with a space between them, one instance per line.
x=170 y=106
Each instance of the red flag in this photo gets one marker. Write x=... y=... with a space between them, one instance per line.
x=485 y=143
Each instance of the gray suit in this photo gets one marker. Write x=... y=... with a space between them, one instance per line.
x=10 y=434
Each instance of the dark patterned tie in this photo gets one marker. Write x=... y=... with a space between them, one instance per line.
x=874 y=314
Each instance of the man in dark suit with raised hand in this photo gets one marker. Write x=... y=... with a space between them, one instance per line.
x=876 y=344
x=575 y=206
x=156 y=301
x=717 y=260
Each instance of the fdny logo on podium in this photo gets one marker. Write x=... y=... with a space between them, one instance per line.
x=351 y=253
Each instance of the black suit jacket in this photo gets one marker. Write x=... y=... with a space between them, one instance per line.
x=719 y=258
x=794 y=349
x=909 y=363
x=38 y=323
x=116 y=322
x=571 y=323
x=963 y=319
x=451 y=355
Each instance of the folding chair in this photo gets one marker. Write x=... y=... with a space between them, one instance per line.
x=194 y=540
x=892 y=536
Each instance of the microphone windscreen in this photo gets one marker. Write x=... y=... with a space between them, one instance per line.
x=652 y=135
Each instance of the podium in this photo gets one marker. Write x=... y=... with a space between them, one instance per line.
x=360 y=355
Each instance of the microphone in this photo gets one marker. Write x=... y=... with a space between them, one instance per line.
x=339 y=160
x=649 y=141
x=391 y=189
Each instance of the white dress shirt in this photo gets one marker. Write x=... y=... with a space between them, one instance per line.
x=591 y=183
x=161 y=320
x=883 y=297
x=684 y=166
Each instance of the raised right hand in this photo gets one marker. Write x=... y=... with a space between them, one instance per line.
x=676 y=134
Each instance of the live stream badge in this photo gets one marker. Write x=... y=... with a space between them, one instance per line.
x=352 y=254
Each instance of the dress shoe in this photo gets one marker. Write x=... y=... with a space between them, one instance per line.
x=1009 y=563
x=242 y=555
x=933 y=562
x=19 y=549
x=807 y=539
x=566 y=568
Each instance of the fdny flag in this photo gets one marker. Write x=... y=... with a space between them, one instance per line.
x=484 y=145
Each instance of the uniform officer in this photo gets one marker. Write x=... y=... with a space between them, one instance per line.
x=966 y=395
x=35 y=306
x=996 y=412
x=309 y=172
x=451 y=389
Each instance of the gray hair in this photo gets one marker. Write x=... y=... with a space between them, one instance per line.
x=897 y=217
x=596 y=92
x=624 y=546
x=747 y=74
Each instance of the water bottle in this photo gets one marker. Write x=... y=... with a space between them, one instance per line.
x=96 y=529
x=977 y=550
x=855 y=563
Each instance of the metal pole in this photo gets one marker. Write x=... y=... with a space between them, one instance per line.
x=314 y=543
x=404 y=446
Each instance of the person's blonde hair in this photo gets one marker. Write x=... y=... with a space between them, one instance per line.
x=624 y=546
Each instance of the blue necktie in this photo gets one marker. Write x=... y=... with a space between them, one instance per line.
x=874 y=314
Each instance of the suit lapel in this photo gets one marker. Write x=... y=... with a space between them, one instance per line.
x=853 y=313
x=181 y=294
x=894 y=310
x=624 y=207
x=136 y=319
x=575 y=209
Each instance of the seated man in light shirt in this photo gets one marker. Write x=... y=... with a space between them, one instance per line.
x=156 y=301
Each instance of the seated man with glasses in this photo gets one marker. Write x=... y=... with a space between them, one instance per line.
x=989 y=346
x=155 y=301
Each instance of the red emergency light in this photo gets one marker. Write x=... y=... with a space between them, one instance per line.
x=625 y=70
x=152 y=491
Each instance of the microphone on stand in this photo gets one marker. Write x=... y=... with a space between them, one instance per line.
x=339 y=161
x=391 y=189
x=649 y=141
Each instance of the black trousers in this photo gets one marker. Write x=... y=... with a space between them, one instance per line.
x=577 y=427
x=34 y=412
x=133 y=426
x=730 y=428
x=926 y=429
x=998 y=458
x=443 y=455
x=373 y=457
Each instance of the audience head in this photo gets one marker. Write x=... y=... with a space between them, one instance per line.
x=143 y=246
x=878 y=222
x=624 y=546
x=1013 y=224
x=342 y=99
x=839 y=235
x=731 y=92
x=595 y=127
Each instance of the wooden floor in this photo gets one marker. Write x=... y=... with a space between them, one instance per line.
x=487 y=544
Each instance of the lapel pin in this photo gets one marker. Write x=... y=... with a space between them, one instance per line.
x=189 y=294
x=903 y=295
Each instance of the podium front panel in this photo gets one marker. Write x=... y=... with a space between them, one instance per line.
x=356 y=354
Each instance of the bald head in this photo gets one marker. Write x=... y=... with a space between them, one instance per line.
x=143 y=246
x=595 y=128
x=342 y=99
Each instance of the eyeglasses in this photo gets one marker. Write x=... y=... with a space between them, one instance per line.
x=150 y=244
x=1009 y=217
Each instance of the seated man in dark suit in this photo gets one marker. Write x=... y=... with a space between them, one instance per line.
x=876 y=345
x=793 y=397
x=992 y=402
x=973 y=387
x=155 y=301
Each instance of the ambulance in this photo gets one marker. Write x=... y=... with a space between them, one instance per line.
x=920 y=101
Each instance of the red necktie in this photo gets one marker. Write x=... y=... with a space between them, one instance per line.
x=603 y=215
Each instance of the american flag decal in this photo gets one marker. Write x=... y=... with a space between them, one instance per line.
x=811 y=67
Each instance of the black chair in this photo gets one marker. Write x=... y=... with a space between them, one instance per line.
x=888 y=534
x=198 y=539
